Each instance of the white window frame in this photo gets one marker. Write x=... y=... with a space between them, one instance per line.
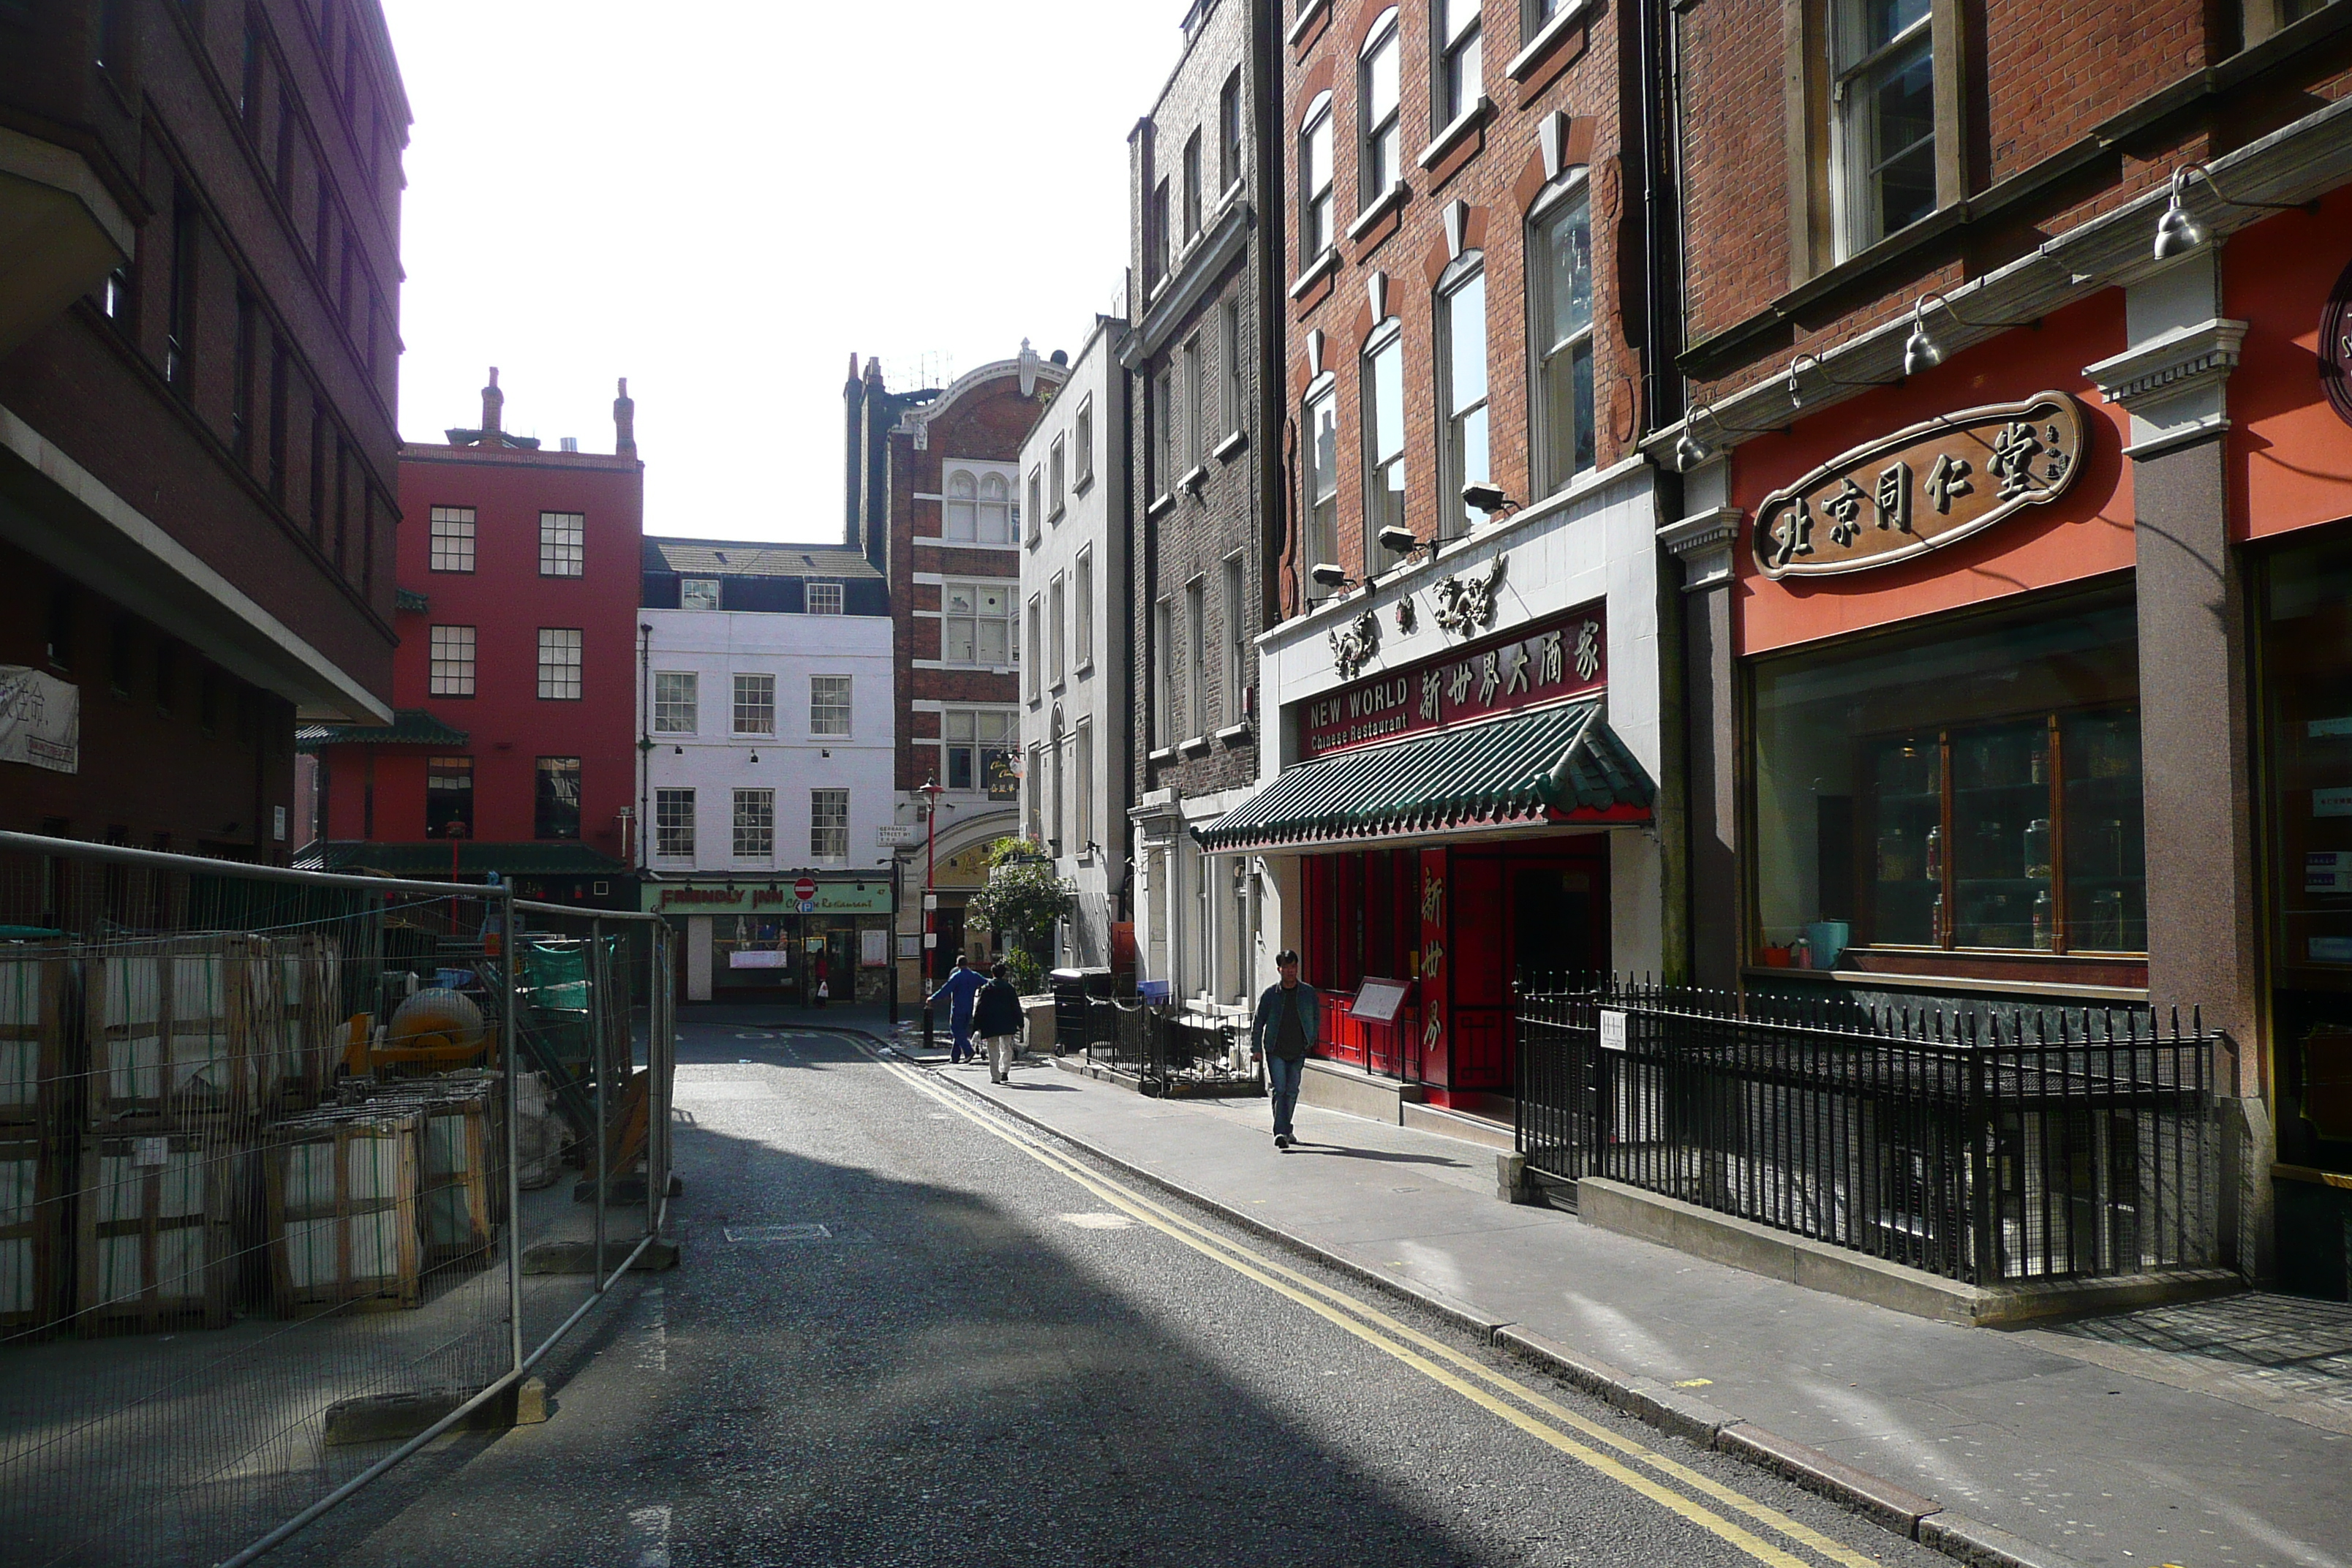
x=1163 y=434
x=1232 y=131
x=1384 y=450
x=969 y=613
x=453 y=660
x=1237 y=399
x=1380 y=111
x=1164 y=655
x=563 y=544
x=821 y=598
x=1235 y=590
x=829 y=825
x=1036 y=505
x=1858 y=164
x=1083 y=439
x=1455 y=414
x=675 y=714
x=1317 y=232
x=560 y=654
x=1555 y=433
x=753 y=824
x=830 y=707
x=1083 y=834
x=1058 y=475
x=454 y=533
x=698 y=594
x=674 y=823
x=1196 y=660
x=1195 y=182
x=1196 y=413
x=1083 y=610
x=1037 y=681
x=1057 y=607
x=960 y=505
x=754 y=698
x=997 y=507
x=1320 y=506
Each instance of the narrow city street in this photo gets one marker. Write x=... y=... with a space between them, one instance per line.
x=906 y=1330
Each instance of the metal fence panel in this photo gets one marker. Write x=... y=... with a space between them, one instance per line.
x=1981 y=1146
x=270 y=1165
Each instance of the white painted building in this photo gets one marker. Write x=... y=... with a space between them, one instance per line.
x=766 y=710
x=1076 y=683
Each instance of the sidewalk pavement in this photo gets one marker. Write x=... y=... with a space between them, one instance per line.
x=2205 y=1435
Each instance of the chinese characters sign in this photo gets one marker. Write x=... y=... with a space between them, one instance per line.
x=1559 y=656
x=1921 y=488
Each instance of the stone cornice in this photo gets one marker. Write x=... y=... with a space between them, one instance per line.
x=2170 y=363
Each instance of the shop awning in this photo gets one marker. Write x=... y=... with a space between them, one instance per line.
x=1561 y=765
x=409 y=727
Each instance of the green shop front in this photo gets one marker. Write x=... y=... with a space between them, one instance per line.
x=793 y=941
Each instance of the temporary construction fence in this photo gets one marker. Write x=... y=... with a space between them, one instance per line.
x=1985 y=1146
x=296 y=1171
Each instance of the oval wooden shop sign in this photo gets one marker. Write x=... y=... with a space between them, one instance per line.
x=1922 y=488
x=2335 y=347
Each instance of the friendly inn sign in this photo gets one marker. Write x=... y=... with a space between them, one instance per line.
x=1922 y=488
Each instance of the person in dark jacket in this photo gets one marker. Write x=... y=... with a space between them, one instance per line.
x=996 y=1018
x=1288 y=1022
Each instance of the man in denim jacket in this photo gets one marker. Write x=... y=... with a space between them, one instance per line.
x=1289 y=1020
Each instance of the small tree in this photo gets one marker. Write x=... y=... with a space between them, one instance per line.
x=1022 y=899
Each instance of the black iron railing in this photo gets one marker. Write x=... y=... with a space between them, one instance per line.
x=1982 y=1145
x=1167 y=1053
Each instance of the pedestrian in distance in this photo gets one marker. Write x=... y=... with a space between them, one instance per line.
x=996 y=1017
x=960 y=987
x=1288 y=1022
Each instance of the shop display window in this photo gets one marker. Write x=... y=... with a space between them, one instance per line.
x=1972 y=786
x=2307 y=652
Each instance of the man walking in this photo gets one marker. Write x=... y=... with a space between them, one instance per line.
x=1289 y=1020
x=960 y=988
x=996 y=1017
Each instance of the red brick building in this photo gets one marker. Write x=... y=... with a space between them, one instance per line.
x=516 y=682
x=2017 y=533
x=199 y=354
x=934 y=501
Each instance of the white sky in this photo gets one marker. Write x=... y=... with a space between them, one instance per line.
x=723 y=205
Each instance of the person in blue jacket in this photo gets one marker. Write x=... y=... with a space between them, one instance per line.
x=960 y=988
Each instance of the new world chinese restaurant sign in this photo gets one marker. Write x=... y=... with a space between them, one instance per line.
x=1921 y=488
x=1532 y=666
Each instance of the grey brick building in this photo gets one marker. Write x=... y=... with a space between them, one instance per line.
x=1205 y=296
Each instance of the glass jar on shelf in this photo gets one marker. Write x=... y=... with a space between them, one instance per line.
x=2037 y=849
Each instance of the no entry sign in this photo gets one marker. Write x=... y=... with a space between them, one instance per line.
x=805 y=889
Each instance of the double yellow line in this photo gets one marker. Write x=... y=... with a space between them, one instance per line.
x=1705 y=1502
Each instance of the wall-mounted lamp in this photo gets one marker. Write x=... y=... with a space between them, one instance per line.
x=1335 y=578
x=755 y=757
x=677 y=750
x=1488 y=497
x=2177 y=232
x=1796 y=393
x=1920 y=351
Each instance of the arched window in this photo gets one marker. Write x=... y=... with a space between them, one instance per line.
x=995 y=511
x=1462 y=458
x=1379 y=109
x=961 y=518
x=1319 y=421
x=1559 y=318
x=1314 y=234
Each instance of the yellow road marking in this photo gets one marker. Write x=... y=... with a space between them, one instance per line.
x=1360 y=1320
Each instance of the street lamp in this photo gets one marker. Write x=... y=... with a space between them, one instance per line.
x=930 y=789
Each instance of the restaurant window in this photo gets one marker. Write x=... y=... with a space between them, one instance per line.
x=828 y=826
x=977 y=740
x=674 y=823
x=448 y=796
x=2306 y=658
x=1970 y=788
x=557 y=813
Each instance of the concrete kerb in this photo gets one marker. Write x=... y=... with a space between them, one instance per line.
x=1670 y=1410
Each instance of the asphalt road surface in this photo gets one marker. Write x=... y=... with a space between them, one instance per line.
x=908 y=1330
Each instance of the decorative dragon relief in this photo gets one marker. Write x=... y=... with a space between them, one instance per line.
x=1353 y=646
x=1465 y=603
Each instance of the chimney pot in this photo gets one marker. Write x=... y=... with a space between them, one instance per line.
x=625 y=422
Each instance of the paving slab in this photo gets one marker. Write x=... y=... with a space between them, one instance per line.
x=2127 y=1440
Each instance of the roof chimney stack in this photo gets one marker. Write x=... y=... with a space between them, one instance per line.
x=625 y=422
x=494 y=403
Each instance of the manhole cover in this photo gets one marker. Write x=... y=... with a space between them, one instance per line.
x=791 y=1232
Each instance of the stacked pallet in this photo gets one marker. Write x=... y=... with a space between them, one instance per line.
x=343 y=1189
x=292 y=1008
x=33 y=1087
x=462 y=1198
x=156 y=1245
x=171 y=1033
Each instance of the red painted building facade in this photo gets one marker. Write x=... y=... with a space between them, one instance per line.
x=515 y=683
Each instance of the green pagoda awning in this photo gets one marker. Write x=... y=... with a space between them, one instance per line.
x=409 y=727
x=1563 y=765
